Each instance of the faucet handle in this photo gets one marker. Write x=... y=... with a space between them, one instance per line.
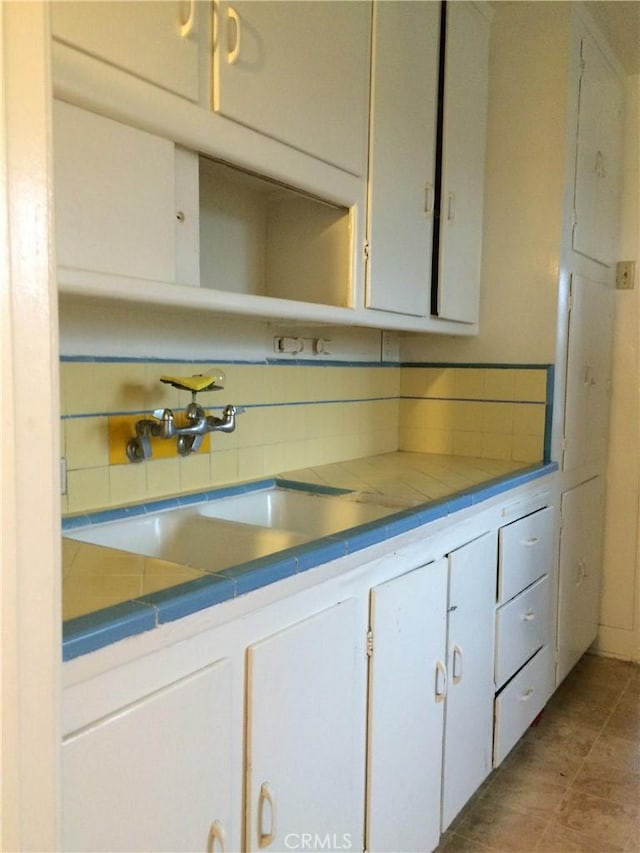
x=163 y=414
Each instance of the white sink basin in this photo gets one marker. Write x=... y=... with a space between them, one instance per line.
x=313 y=515
x=213 y=535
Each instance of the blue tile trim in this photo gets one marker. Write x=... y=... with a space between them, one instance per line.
x=263 y=571
x=316 y=488
x=318 y=552
x=476 y=365
x=295 y=362
x=85 y=634
x=190 y=597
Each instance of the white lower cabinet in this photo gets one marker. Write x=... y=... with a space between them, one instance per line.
x=407 y=690
x=469 y=706
x=305 y=749
x=154 y=775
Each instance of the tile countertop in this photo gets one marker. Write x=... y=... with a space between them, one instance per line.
x=110 y=594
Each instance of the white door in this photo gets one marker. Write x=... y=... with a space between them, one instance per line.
x=586 y=420
x=156 y=41
x=298 y=72
x=407 y=689
x=114 y=197
x=402 y=155
x=155 y=775
x=306 y=730
x=463 y=155
x=599 y=156
x=468 y=745
x=581 y=535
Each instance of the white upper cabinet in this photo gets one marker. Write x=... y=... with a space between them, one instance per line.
x=461 y=193
x=298 y=72
x=156 y=41
x=402 y=155
x=597 y=175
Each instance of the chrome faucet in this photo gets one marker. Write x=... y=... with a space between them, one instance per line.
x=189 y=437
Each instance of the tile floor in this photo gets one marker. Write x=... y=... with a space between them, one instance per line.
x=573 y=782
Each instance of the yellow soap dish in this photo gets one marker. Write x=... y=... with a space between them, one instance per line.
x=196 y=383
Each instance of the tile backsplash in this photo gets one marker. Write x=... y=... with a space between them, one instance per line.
x=296 y=415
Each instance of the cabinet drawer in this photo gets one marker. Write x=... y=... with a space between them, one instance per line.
x=520 y=702
x=526 y=551
x=521 y=628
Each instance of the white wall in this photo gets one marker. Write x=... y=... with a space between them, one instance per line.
x=620 y=614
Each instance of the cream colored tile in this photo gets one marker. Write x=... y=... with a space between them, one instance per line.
x=389 y=379
x=87 y=442
x=497 y=418
x=163 y=476
x=319 y=421
x=87 y=488
x=496 y=446
x=469 y=383
x=122 y=386
x=527 y=448
x=528 y=419
x=127 y=483
x=251 y=432
x=438 y=441
x=531 y=385
x=440 y=381
x=499 y=383
x=250 y=463
x=195 y=472
x=274 y=459
x=467 y=443
x=292 y=421
x=82 y=393
x=466 y=416
x=224 y=467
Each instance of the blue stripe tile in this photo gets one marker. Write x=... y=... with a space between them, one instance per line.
x=101 y=628
x=261 y=572
x=319 y=552
x=186 y=598
x=316 y=488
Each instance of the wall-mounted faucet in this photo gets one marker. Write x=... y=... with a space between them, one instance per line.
x=189 y=437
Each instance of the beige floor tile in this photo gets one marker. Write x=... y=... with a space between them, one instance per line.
x=454 y=843
x=600 y=819
x=624 y=722
x=610 y=783
x=546 y=761
x=561 y=734
x=503 y=828
x=560 y=839
x=616 y=752
x=522 y=788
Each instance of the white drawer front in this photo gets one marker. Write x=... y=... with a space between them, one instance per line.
x=520 y=702
x=526 y=552
x=521 y=628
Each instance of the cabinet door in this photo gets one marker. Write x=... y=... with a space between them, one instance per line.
x=297 y=71
x=598 y=157
x=115 y=197
x=468 y=740
x=407 y=688
x=306 y=728
x=402 y=155
x=586 y=419
x=156 y=41
x=580 y=571
x=155 y=775
x=463 y=155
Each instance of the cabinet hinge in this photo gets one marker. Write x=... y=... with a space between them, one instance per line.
x=365 y=250
x=570 y=302
x=369 y=643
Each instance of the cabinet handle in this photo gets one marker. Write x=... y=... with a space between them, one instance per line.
x=429 y=199
x=187 y=28
x=527 y=694
x=266 y=797
x=441 y=681
x=456 y=664
x=234 y=53
x=215 y=843
x=529 y=543
x=451 y=207
x=529 y=616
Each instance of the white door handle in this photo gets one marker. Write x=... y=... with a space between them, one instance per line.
x=529 y=543
x=187 y=28
x=266 y=830
x=526 y=694
x=529 y=616
x=451 y=207
x=441 y=681
x=215 y=843
x=233 y=52
x=456 y=664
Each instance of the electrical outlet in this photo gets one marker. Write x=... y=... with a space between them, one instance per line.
x=625 y=275
x=390 y=346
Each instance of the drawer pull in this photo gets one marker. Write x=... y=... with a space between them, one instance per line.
x=529 y=543
x=233 y=52
x=529 y=616
x=441 y=681
x=187 y=27
x=527 y=694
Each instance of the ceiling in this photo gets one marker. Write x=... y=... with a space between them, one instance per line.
x=619 y=21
